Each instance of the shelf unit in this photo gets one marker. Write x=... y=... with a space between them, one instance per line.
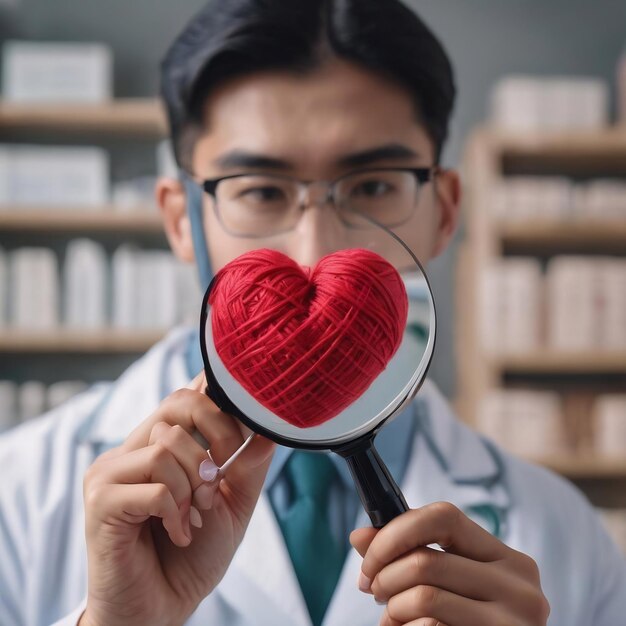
x=126 y=119
x=491 y=155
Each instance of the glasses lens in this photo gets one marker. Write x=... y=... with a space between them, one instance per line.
x=257 y=205
x=386 y=196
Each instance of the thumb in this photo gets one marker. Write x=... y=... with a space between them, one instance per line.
x=361 y=538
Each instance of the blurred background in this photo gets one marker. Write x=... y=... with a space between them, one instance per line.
x=531 y=296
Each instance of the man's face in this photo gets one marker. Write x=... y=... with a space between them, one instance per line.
x=317 y=127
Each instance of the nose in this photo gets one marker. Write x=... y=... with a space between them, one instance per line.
x=319 y=231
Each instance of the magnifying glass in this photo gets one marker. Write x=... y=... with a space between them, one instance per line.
x=351 y=430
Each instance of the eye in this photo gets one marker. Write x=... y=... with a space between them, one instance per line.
x=263 y=194
x=372 y=188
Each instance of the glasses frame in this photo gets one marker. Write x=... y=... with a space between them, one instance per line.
x=422 y=176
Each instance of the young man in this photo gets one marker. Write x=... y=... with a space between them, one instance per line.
x=273 y=101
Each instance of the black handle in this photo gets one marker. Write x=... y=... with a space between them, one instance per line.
x=379 y=493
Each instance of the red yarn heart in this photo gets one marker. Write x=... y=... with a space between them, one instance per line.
x=307 y=343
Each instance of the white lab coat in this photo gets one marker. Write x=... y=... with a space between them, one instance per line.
x=42 y=553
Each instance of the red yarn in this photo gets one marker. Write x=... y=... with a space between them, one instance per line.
x=307 y=343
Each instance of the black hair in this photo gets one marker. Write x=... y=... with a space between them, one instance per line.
x=230 y=38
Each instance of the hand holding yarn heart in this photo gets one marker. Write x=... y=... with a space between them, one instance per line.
x=306 y=343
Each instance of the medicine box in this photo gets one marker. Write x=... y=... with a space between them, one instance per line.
x=46 y=176
x=56 y=72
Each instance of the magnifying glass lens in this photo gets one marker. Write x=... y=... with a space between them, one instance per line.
x=320 y=358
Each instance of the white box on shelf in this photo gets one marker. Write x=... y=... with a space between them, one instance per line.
x=4 y=289
x=528 y=198
x=4 y=176
x=58 y=176
x=125 y=281
x=165 y=159
x=157 y=306
x=526 y=422
x=621 y=88
x=34 y=280
x=135 y=195
x=515 y=103
x=572 y=320
x=189 y=297
x=491 y=309
x=56 y=72
x=609 y=425
x=612 y=304
x=603 y=199
x=8 y=405
x=529 y=103
x=85 y=285
x=512 y=306
x=60 y=392
x=522 y=293
x=31 y=399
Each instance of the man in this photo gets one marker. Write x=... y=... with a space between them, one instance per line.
x=265 y=98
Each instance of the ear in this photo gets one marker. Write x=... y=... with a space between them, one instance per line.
x=447 y=187
x=170 y=197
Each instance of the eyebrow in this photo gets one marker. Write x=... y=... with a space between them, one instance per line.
x=241 y=159
x=392 y=151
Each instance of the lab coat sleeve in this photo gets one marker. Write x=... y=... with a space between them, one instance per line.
x=609 y=580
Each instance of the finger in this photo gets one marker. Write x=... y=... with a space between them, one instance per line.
x=440 y=523
x=186 y=450
x=153 y=464
x=385 y=620
x=198 y=383
x=361 y=538
x=438 y=604
x=190 y=455
x=132 y=505
x=426 y=621
x=192 y=411
x=425 y=566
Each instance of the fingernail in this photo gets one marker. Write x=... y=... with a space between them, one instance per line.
x=208 y=470
x=380 y=603
x=203 y=496
x=364 y=583
x=194 y=517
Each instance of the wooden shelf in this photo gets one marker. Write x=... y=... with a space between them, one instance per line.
x=585 y=466
x=555 y=237
x=130 y=117
x=574 y=362
x=601 y=142
x=601 y=151
x=104 y=219
x=67 y=341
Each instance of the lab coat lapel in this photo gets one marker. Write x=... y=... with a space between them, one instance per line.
x=263 y=568
x=348 y=604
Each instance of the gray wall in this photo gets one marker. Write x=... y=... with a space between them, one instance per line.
x=486 y=39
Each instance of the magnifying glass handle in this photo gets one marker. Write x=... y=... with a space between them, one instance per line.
x=379 y=493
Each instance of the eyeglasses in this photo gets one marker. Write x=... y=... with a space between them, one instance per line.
x=262 y=205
